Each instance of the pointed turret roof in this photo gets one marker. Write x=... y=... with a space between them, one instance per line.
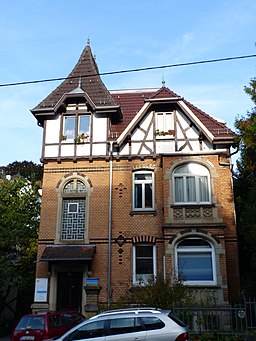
x=84 y=78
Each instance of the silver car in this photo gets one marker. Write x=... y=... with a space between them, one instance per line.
x=140 y=324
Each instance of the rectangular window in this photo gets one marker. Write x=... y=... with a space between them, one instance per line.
x=143 y=194
x=195 y=266
x=84 y=125
x=69 y=126
x=204 y=189
x=73 y=222
x=72 y=207
x=144 y=263
x=164 y=121
x=76 y=126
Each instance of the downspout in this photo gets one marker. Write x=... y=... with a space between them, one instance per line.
x=110 y=222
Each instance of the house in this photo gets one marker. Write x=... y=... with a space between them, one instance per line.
x=137 y=184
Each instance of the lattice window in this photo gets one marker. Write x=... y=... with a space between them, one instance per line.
x=73 y=211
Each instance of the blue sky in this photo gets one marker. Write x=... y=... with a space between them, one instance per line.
x=42 y=39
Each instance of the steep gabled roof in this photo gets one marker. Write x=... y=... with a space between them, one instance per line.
x=132 y=101
x=84 y=78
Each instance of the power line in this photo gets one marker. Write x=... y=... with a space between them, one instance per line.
x=129 y=70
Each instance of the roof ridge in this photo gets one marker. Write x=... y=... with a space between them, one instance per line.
x=164 y=89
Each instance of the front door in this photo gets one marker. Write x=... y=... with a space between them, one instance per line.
x=69 y=291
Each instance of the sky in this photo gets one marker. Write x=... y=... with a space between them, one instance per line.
x=43 y=39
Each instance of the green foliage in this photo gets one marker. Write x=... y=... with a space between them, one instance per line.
x=245 y=193
x=25 y=169
x=160 y=294
x=19 y=222
x=246 y=132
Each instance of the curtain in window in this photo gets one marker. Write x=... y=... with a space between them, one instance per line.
x=204 y=188
x=191 y=189
x=195 y=266
x=179 y=189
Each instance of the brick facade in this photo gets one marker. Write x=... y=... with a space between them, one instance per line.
x=107 y=176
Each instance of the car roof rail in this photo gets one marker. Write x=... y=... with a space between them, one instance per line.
x=126 y=311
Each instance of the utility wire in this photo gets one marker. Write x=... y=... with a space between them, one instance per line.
x=129 y=70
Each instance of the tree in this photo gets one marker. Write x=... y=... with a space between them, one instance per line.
x=26 y=169
x=19 y=223
x=245 y=192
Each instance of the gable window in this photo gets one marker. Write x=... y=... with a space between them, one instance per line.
x=143 y=190
x=164 y=122
x=76 y=126
x=191 y=184
x=195 y=261
x=144 y=263
x=73 y=210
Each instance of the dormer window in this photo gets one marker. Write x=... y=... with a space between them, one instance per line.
x=76 y=125
x=164 y=124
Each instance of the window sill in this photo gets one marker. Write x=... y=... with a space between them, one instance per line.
x=201 y=285
x=184 y=204
x=146 y=212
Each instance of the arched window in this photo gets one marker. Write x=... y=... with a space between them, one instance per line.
x=191 y=184
x=195 y=261
x=73 y=210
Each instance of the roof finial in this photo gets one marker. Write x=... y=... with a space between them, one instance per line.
x=163 y=83
x=79 y=82
x=88 y=41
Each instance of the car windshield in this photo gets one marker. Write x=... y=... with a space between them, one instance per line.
x=31 y=323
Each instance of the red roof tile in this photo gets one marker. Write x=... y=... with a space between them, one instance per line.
x=67 y=253
x=131 y=101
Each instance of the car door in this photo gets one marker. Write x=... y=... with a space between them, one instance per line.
x=89 y=331
x=125 y=329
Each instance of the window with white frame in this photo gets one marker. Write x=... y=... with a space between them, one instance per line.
x=143 y=190
x=195 y=261
x=144 y=263
x=73 y=210
x=76 y=125
x=164 y=122
x=191 y=184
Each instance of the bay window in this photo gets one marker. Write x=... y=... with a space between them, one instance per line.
x=76 y=125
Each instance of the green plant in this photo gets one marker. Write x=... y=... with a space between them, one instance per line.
x=81 y=138
x=160 y=294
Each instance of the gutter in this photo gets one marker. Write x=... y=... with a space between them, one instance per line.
x=110 y=223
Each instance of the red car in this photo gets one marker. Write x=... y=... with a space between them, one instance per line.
x=40 y=326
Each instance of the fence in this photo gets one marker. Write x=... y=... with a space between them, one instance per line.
x=222 y=321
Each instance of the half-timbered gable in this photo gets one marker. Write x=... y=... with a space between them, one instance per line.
x=137 y=184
